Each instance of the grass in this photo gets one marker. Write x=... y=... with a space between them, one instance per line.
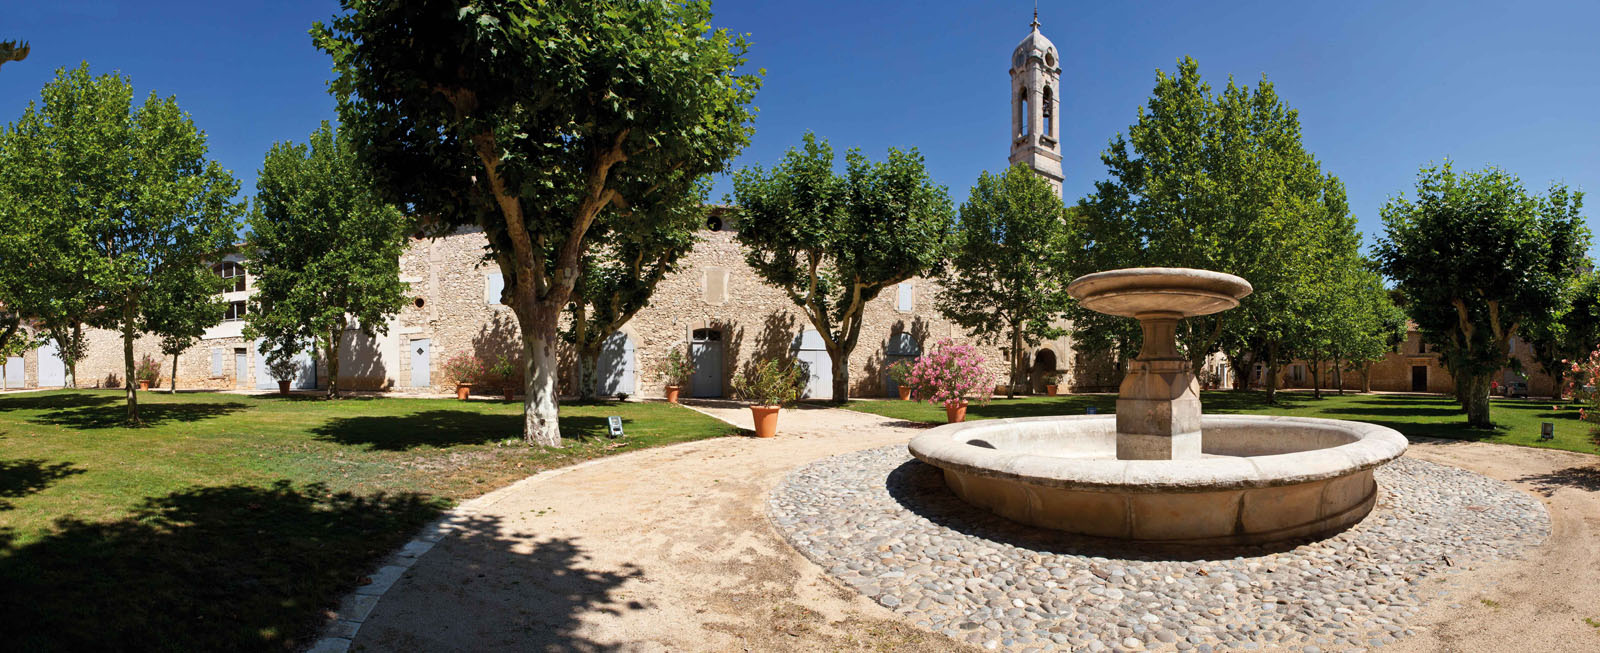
x=231 y=522
x=1516 y=420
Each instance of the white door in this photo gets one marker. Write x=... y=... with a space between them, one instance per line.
x=241 y=367
x=306 y=379
x=705 y=353
x=421 y=359
x=615 y=372
x=52 y=372
x=14 y=372
x=812 y=356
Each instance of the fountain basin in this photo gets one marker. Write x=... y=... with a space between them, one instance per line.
x=1260 y=478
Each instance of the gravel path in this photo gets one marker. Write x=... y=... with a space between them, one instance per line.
x=886 y=525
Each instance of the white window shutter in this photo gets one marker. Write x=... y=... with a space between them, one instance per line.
x=216 y=362
x=494 y=285
x=904 y=302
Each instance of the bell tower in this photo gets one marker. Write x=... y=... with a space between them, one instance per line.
x=1035 y=88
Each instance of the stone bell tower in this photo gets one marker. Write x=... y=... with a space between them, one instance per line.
x=1035 y=88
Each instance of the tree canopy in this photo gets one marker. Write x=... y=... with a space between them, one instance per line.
x=1008 y=270
x=531 y=119
x=1480 y=260
x=324 y=249
x=833 y=242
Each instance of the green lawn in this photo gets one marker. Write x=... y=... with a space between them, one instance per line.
x=231 y=522
x=1516 y=420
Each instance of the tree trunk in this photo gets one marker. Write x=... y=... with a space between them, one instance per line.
x=539 y=411
x=1366 y=378
x=1316 y=378
x=1477 y=401
x=1272 y=373
x=588 y=370
x=841 y=376
x=333 y=360
x=173 y=389
x=1016 y=362
x=131 y=386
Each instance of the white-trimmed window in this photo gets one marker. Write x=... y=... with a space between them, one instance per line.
x=231 y=272
x=494 y=285
x=903 y=300
x=234 y=313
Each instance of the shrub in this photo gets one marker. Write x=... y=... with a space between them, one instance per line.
x=1582 y=377
x=950 y=372
x=505 y=371
x=676 y=369
x=772 y=383
x=463 y=368
x=900 y=372
x=282 y=367
x=147 y=369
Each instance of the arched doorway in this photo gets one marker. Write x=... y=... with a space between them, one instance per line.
x=615 y=372
x=812 y=356
x=902 y=348
x=1044 y=366
x=705 y=353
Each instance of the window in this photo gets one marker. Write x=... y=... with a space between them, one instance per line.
x=903 y=302
x=234 y=313
x=1022 y=105
x=706 y=335
x=216 y=362
x=494 y=287
x=231 y=272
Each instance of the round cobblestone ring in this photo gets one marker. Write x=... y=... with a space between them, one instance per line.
x=886 y=525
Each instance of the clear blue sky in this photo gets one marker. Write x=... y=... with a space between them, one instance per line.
x=1382 y=87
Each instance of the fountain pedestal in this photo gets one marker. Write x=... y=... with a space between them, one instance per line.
x=1158 y=404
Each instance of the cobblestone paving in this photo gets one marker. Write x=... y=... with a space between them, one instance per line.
x=885 y=524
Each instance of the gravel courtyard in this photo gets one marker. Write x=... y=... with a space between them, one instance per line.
x=674 y=549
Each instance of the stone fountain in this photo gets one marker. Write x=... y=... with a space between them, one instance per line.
x=1159 y=470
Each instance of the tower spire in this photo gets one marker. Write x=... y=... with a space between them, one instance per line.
x=1035 y=24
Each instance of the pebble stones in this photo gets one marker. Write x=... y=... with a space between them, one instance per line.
x=886 y=525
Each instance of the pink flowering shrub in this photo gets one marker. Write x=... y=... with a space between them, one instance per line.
x=950 y=372
x=1582 y=377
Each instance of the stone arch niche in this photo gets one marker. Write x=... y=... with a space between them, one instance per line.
x=1044 y=363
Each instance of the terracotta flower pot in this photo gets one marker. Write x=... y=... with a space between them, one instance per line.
x=508 y=393
x=463 y=390
x=144 y=384
x=283 y=387
x=766 y=419
x=1050 y=389
x=955 y=411
x=905 y=393
x=672 y=393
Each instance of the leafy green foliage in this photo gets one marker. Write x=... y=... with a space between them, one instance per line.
x=833 y=242
x=538 y=121
x=111 y=211
x=13 y=51
x=324 y=248
x=676 y=368
x=1218 y=182
x=771 y=382
x=1008 y=270
x=1479 y=260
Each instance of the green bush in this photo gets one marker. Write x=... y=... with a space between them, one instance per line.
x=677 y=369
x=772 y=383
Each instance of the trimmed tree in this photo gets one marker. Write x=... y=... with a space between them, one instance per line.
x=132 y=205
x=529 y=120
x=181 y=310
x=622 y=269
x=833 y=243
x=324 y=247
x=1007 y=277
x=1479 y=260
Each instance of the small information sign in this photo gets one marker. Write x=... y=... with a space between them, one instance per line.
x=1547 y=431
x=616 y=426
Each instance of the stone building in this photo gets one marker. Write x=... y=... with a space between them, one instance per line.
x=714 y=308
x=1413 y=366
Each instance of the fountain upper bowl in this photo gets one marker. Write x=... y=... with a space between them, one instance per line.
x=1179 y=292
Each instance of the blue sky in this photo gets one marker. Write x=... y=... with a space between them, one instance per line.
x=1382 y=87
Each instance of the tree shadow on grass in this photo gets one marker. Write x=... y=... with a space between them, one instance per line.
x=443 y=428
x=226 y=568
x=152 y=414
x=20 y=478
x=57 y=401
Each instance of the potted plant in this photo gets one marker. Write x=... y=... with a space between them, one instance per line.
x=676 y=370
x=1052 y=381
x=900 y=373
x=504 y=370
x=768 y=387
x=948 y=374
x=283 y=368
x=463 y=370
x=147 y=371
